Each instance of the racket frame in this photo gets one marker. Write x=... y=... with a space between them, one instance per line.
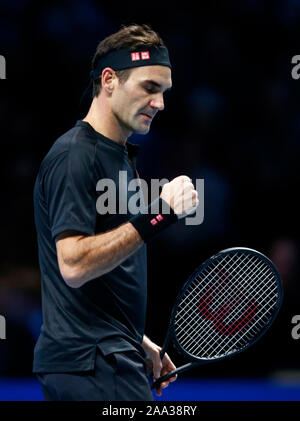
x=171 y=334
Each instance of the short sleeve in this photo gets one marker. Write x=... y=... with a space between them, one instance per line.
x=70 y=192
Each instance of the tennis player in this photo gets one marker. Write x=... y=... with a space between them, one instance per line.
x=92 y=345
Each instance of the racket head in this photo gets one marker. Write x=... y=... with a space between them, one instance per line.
x=233 y=322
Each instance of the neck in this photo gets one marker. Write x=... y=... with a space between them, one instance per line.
x=102 y=119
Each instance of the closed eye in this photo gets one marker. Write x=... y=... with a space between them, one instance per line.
x=152 y=87
x=151 y=90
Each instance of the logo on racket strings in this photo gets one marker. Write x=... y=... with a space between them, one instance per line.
x=228 y=308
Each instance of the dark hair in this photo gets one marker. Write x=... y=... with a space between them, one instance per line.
x=132 y=37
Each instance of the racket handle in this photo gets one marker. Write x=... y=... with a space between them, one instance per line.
x=171 y=374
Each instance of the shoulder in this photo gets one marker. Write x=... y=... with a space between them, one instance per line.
x=76 y=146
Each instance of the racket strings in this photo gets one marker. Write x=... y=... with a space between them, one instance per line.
x=226 y=305
x=219 y=346
x=210 y=276
x=263 y=317
x=185 y=311
x=220 y=313
x=208 y=331
x=220 y=318
x=235 y=326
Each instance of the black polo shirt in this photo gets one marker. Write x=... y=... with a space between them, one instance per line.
x=108 y=311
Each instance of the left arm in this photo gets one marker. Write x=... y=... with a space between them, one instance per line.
x=159 y=367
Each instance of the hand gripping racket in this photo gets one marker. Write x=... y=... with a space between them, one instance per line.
x=225 y=306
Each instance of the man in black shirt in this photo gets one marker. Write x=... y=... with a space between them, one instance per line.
x=93 y=265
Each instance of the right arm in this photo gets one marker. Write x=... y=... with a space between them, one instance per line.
x=82 y=258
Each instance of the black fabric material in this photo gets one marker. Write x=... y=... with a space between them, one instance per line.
x=122 y=59
x=118 y=376
x=108 y=311
x=152 y=222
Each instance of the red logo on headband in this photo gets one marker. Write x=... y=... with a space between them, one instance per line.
x=135 y=56
x=145 y=55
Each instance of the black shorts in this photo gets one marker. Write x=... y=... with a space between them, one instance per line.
x=120 y=376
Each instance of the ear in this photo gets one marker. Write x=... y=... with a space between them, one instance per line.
x=108 y=80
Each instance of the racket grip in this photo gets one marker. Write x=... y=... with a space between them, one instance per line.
x=172 y=374
x=162 y=379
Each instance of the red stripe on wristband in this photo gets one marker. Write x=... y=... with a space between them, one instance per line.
x=150 y=224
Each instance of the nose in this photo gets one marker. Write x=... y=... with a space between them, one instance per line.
x=158 y=102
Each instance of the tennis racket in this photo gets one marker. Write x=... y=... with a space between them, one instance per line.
x=225 y=306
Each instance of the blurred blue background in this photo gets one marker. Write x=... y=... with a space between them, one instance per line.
x=232 y=118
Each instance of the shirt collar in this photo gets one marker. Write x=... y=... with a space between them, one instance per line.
x=131 y=149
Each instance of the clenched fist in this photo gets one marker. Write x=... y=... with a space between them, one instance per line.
x=181 y=196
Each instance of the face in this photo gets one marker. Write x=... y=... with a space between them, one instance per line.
x=136 y=101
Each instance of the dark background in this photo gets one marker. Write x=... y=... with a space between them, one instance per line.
x=232 y=118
